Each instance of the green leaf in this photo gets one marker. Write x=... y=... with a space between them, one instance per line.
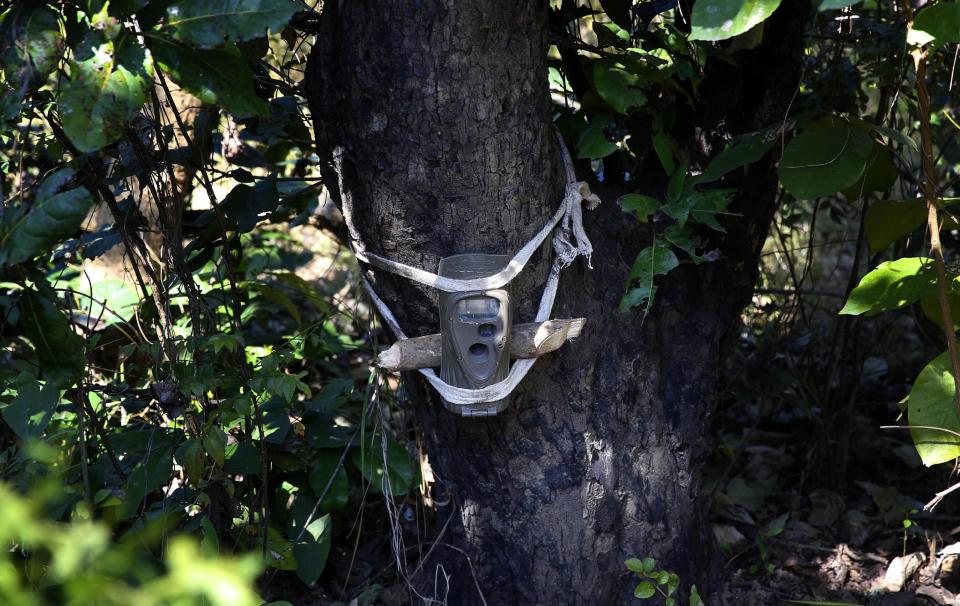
x=722 y=19
x=930 y=305
x=215 y=444
x=649 y=564
x=610 y=34
x=890 y=220
x=209 y=541
x=217 y=76
x=634 y=565
x=31 y=410
x=701 y=206
x=104 y=92
x=60 y=351
x=370 y=463
x=879 y=176
x=242 y=459
x=695 y=599
x=644 y=590
x=673 y=583
x=57 y=213
x=938 y=23
x=682 y=237
x=147 y=475
x=617 y=86
x=313 y=550
x=325 y=467
x=824 y=161
x=899 y=137
x=593 y=143
x=189 y=455
x=31 y=44
x=280 y=551
x=827 y=5
x=742 y=151
x=211 y=23
x=775 y=526
x=652 y=261
x=892 y=285
x=663 y=147
x=641 y=206
x=932 y=403
x=333 y=394
x=113 y=300
x=245 y=206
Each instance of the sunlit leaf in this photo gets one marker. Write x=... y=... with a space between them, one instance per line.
x=722 y=19
x=892 y=285
x=280 y=551
x=104 y=91
x=644 y=589
x=215 y=22
x=932 y=403
x=58 y=210
x=31 y=410
x=31 y=44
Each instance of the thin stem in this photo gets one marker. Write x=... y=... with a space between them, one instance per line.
x=929 y=187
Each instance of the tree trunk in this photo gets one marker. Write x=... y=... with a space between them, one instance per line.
x=439 y=114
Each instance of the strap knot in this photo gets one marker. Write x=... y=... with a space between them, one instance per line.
x=568 y=250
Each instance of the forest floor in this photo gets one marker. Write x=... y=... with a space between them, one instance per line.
x=815 y=504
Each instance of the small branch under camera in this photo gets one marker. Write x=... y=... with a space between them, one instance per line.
x=526 y=341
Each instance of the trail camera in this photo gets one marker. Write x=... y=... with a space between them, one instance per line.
x=475 y=331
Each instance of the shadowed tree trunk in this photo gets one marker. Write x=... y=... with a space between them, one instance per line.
x=440 y=114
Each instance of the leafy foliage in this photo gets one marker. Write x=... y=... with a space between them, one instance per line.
x=174 y=366
x=105 y=90
x=656 y=582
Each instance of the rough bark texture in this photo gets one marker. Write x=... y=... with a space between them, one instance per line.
x=441 y=112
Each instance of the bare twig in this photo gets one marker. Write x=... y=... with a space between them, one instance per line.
x=929 y=187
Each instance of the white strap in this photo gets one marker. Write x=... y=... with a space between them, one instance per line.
x=570 y=218
x=504 y=276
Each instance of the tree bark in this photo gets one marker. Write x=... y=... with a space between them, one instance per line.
x=440 y=114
